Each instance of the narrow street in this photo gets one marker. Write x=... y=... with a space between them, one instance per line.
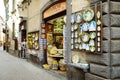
x=13 y=68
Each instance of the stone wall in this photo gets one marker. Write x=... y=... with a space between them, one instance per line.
x=107 y=65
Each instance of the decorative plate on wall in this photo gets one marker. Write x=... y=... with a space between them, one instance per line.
x=92 y=35
x=88 y=14
x=85 y=37
x=85 y=27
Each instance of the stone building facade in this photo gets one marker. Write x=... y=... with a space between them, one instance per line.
x=104 y=66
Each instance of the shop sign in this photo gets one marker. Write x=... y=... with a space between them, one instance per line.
x=78 y=5
x=59 y=7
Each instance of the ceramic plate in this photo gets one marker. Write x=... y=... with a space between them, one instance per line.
x=85 y=37
x=72 y=35
x=87 y=47
x=76 y=46
x=75 y=26
x=78 y=18
x=72 y=28
x=80 y=47
x=92 y=35
x=75 y=58
x=83 y=46
x=92 y=26
x=92 y=49
x=92 y=42
x=72 y=18
x=85 y=27
x=76 y=34
x=88 y=14
x=79 y=40
x=76 y=40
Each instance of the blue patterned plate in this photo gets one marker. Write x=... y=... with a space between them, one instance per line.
x=85 y=27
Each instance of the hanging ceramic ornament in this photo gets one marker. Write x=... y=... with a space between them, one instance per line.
x=76 y=34
x=78 y=18
x=80 y=47
x=98 y=22
x=92 y=42
x=87 y=47
x=98 y=14
x=76 y=46
x=75 y=26
x=83 y=46
x=98 y=34
x=72 y=18
x=98 y=49
x=92 y=26
x=92 y=49
x=79 y=40
x=92 y=35
x=98 y=38
x=98 y=28
x=81 y=31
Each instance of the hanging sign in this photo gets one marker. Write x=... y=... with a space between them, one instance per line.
x=59 y=7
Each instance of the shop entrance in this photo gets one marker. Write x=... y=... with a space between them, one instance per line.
x=55 y=21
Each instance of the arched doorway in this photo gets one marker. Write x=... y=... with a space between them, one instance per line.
x=53 y=16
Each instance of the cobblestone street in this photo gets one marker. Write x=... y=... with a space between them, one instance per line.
x=13 y=68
